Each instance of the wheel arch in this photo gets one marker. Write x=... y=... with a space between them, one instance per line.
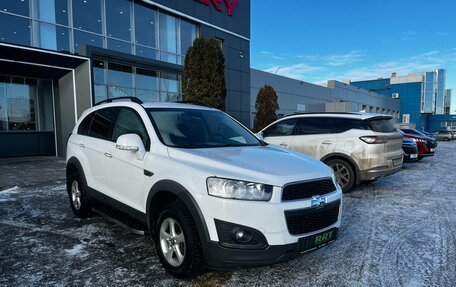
x=166 y=191
x=73 y=164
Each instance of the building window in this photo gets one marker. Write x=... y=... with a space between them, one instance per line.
x=145 y=25
x=84 y=38
x=52 y=11
x=118 y=19
x=87 y=15
x=120 y=46
x=49 y=36
x=20 y=7
x=187 y=35
x=168 y=38
x=406 y=118
x=14 y=29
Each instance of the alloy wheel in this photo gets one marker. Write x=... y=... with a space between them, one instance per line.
x=172 y=242
x=342 y=174
x=76 y=195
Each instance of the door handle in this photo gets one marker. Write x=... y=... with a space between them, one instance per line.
x=81 y=145
x=283 y=144
x=107 y=154
x=327 y=142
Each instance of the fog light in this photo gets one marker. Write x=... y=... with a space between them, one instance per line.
x=242 y=236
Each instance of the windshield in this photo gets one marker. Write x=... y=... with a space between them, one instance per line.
x=191 y=128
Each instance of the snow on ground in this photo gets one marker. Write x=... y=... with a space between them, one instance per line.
x=398 y=231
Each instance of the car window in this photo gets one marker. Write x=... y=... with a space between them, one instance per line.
x=194 y=128
x=103 y=123
x=381 y=125
x=314 y=126
x=282 y=128
x=129 y=122
x=84 y=127
x=342 y=124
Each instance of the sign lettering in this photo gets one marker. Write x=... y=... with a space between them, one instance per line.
x=230 y=5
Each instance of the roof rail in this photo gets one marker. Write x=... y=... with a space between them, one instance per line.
x=196 y=103
x=133 y=99
x=315 y=113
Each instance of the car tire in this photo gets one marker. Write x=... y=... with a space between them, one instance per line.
x=344 y=173
x=420 y=157
x=177 y=242
x=79 y=201
x=447 y=139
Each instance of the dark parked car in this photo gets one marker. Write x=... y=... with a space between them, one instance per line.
x=410 y=150
x=426 y=146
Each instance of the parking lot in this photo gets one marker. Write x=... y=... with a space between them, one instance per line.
x=398 y=231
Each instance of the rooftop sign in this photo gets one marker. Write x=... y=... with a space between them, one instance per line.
x=230 y=5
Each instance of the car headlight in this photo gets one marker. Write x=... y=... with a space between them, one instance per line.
x=419 y=140
x=238 y=189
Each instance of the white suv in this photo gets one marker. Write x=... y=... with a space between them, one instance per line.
x=208 y=191
x=359 y=147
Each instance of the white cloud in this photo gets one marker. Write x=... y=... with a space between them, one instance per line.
x=423 y=62
x=296 y=71
x=335 y=60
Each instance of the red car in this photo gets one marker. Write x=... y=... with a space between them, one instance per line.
x=426 y=146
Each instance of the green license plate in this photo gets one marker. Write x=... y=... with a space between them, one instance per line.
x=317 y=240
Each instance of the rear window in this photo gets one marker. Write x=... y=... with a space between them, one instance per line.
x=343 y=124
x=381 y=125
x=103 y=123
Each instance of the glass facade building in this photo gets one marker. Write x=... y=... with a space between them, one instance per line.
x=62 y=56
x=424 y=101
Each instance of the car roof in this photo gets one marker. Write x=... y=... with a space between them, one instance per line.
x=353 y=115
x=158 y=105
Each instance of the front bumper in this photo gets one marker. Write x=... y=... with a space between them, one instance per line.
x=220 y=257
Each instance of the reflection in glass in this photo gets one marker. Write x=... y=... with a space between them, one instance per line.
x=118 y=19
x=14 y=29
x=146 y=79
x=99 y=72
x=169 y=87
x=20 y=7
x=87 y=15
x=188 y=35
x=146 y=52
x=83 y=38
x=52 y=37
x=119 y=46
x=120 y=76
x=54 y=11
x=145 y=25
x=100 y=93
x=168 y=33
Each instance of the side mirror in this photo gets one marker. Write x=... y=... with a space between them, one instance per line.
x=259 y=135
x=132 y=143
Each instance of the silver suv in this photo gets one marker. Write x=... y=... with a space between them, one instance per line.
x=359 y=147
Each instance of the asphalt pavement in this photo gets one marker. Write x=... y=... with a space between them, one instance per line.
x=398 y=231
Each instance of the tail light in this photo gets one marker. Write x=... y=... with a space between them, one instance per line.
x=373 y=139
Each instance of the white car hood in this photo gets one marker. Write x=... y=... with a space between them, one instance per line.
x=266 y=164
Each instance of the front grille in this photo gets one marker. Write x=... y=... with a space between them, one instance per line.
x=307 y=189
x=312 y=219
x=431 y=144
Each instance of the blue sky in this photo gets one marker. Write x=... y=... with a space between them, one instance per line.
x=316 y=41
